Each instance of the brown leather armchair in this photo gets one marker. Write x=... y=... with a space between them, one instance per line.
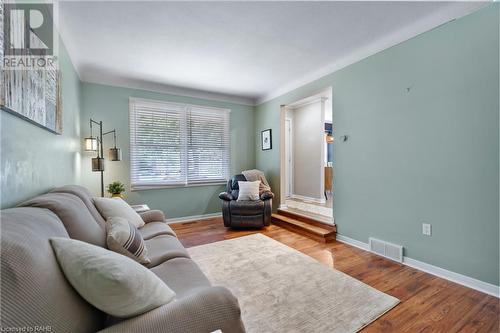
x=243 y=214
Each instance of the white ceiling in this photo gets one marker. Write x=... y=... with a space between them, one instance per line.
x=241 y=51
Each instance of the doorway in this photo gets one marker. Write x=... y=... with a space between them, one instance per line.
x=307 y=156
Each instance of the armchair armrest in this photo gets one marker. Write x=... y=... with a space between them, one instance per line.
x=153 y=216
x=267 y=195
x=225 y=196
x=208 y=310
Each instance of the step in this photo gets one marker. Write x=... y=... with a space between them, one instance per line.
x=318 y=233
x=314 y=219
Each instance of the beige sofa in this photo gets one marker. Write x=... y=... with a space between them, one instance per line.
x=36 y=295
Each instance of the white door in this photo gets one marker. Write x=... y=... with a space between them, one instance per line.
x=288 y=158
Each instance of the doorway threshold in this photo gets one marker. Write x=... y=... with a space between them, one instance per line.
x=308 y=215
x=310 y=207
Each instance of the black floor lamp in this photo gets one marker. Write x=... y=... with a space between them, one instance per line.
x=95 y=144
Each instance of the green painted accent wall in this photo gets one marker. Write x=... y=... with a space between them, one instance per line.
x=34 y=160
x=111 y=105
x=430 y=154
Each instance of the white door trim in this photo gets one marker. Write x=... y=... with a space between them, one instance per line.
x=289 y=161
x=282 y=156
x=323 y=142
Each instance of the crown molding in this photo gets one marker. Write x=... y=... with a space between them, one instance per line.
x=443 y=16
x=131 y=83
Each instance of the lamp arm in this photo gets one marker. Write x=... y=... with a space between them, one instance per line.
x=95 y=122
x=109 y=132
x=114 y=135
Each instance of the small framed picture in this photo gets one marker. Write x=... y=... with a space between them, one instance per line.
x=266 y=139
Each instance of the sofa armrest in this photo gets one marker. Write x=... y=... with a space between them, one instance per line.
x=208 y=310
x=267 y=195
x=225 y=196
x=153 y=216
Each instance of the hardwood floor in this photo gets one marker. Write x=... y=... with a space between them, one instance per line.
x=428 y=303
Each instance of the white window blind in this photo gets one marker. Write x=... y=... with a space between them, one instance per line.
x=175 y=144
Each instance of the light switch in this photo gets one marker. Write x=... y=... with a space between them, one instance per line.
x=426 y=229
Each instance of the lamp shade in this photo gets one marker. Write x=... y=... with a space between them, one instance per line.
x=115 y=154
x=98 y=164
x=91 y=144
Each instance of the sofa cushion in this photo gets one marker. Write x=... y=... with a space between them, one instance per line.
x=163 y=248
x=111 y=282
x=111 y=207
x=153 y=229
x=124 y=238
x=85 y=195
x=247 y=207
x=182 y=275
x=153 y=215
x=73 y=213
x=33 y=287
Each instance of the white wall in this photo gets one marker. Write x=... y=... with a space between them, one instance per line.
x=308 y=150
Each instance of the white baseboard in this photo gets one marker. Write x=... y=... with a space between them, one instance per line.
x=464 y=280
x=283 y=206
x=302 y=197
x=331 y=222
x=192 y=218
x=352 y=241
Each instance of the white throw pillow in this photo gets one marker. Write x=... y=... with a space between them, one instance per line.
x=248 y=190
x=111 y=207
x=124 y=238
x=109 y=281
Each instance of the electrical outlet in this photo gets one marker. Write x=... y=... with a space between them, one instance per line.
x=426 y=229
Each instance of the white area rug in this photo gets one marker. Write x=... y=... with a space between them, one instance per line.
x=282 y=290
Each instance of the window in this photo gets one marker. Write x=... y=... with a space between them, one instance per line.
x=175 y=144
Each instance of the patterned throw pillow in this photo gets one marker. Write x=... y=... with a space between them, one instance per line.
x=124 y=238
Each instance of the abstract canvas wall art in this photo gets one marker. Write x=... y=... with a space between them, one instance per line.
x=33 y=94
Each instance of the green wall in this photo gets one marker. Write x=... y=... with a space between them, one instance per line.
x=34 y=160
x=430 y=154
x=111 y=105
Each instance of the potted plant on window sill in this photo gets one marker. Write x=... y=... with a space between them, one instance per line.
x=116 y=189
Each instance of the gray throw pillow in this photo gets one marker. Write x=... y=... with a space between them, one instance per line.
x=110 y=281
x=248 y=190
x=110 y=207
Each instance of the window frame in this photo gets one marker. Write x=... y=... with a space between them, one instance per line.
x=186 y=183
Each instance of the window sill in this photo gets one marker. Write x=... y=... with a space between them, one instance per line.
x=159 y=187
